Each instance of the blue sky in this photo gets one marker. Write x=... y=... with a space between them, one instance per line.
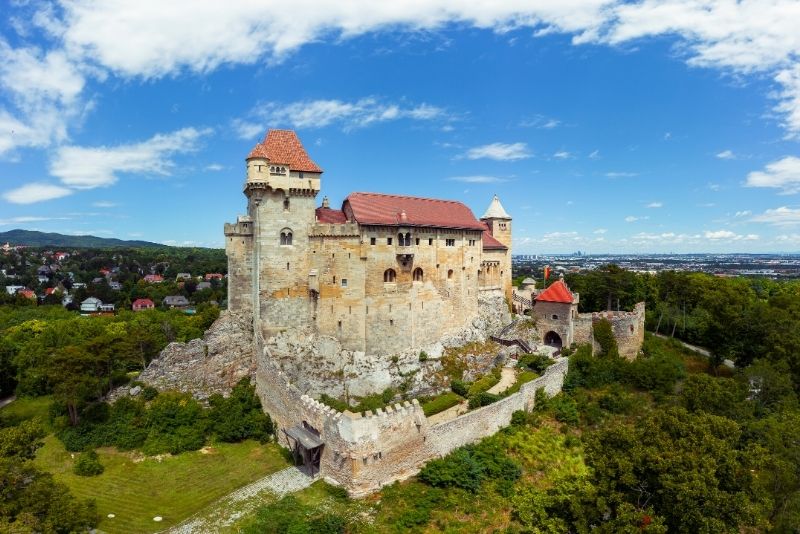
x=652 y=126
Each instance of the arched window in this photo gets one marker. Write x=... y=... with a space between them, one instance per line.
x=408 y=239
x=418 y=275
x=450 y=274
x=389 y=275
x=286 y=237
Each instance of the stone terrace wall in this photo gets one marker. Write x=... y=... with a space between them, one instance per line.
x=362 y=453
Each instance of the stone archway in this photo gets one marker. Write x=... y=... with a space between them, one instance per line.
x=552 y=339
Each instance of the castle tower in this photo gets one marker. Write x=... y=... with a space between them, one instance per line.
x=499 y=223
x=281 y=185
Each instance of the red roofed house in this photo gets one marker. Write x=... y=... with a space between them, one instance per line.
x=383 y=274
x=213 y=276
x=142 y=304
x=153 y=278
x=27 y=293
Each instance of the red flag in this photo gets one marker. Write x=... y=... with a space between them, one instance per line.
x=546 y=272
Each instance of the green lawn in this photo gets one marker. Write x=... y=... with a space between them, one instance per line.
x=136 y=490
x=27 y=408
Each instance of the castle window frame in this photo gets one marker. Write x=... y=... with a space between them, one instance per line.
x=286 y=204
x=388 y=240
x=389 y=276
x=416 y=242
x=286 y=237
x=450 y=242
x=555 y=317
x=449 y=274
x=418 y=275
x=344 y=282
x=430 y=241
x=372 y=240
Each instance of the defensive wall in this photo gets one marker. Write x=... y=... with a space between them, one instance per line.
x=363 y=452
x=628 y=328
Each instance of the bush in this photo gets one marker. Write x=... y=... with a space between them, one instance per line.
x=482 y=399
x=423 y=356
x=149 y=393
x=440 y=403
x=240 y=416
x=468 y=467
x=604 y=335
x=290 y=516
x=617 y=400
x=459 y=388
x=536 y=362
x=87 y=464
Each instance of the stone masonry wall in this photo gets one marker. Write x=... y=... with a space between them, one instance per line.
x=362 y=453
x=628 y=328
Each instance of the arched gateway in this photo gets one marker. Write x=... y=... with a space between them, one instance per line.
x=552 y=339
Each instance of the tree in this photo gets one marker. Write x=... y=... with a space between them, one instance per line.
x=77 y=377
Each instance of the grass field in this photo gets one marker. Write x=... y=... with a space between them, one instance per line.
x=27 y=408
x=136 y=489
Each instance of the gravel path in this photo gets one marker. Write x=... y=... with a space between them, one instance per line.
x=243 y=501
x=507 y=378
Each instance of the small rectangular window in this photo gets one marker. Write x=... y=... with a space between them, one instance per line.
x=344 y=282
x=450 y=242
x=417 y=241
x=388 y=240
x=430 y=241
x=372 y=240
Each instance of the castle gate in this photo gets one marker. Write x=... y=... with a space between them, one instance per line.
x=552 y=339
x=306 y=447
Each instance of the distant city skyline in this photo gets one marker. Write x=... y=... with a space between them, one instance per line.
x=603 y=126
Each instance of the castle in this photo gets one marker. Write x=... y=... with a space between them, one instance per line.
x=346 y=302
x=382 y=274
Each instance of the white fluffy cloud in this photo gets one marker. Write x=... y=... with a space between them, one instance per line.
x=727 y=235
x=783 y=174
x=499 y=152
x=35 y=192
x=655 y=205
x=91 y=167
x=782 y=216
x=726 y=154
x=322 y=113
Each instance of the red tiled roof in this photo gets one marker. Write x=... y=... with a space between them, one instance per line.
x=490 y=243
x=392 y=210
x=283 y=146
x=557 y=292
x=327 y=215
x=142 y=302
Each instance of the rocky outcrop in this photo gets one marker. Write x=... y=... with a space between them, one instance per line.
x=213 y=364
x=317 y=364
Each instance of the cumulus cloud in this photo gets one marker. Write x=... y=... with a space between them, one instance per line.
x=35 y=192
x=499 y=152
x=726 y=154
x=214 y=167
x=783 y=174
x=727 y=235
x=321 y=113
x=782 y=216
x=90 y=167
x=655 y=205
x=743 y=213
x=562 y=154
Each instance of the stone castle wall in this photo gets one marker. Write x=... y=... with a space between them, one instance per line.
x=628 y=328
x=362 y=453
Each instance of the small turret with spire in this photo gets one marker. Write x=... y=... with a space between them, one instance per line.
x=498 y=221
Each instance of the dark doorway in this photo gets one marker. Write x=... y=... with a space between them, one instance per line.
x=552 y=339
x=306 y=447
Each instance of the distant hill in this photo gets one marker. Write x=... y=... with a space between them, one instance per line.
x=33 y=238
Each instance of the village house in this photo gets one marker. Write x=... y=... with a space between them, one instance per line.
x=183 y=277
x=153 y=278
x=12 y=290
x=27 y=293
x=176 y=301
x=214 y=276
x=91 y=305
x=142 y=304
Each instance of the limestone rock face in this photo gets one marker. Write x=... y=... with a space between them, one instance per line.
x=213 y=364
x=317 y=364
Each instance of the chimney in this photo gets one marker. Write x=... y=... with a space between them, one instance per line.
x=325 y=202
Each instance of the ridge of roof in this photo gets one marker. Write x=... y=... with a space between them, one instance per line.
x=382 y=209
x=556 y=292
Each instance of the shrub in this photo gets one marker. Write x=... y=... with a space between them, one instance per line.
x=468 y=467
x=482 y=399
x=564 y=409
x=423 y=356
x=440 y=403
x=536 y=362
x=459 y=388
x=87 y=464
x=617 y=400
x=289 y=515
x=149 y=393
x=604 y=335
x=240 y=416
